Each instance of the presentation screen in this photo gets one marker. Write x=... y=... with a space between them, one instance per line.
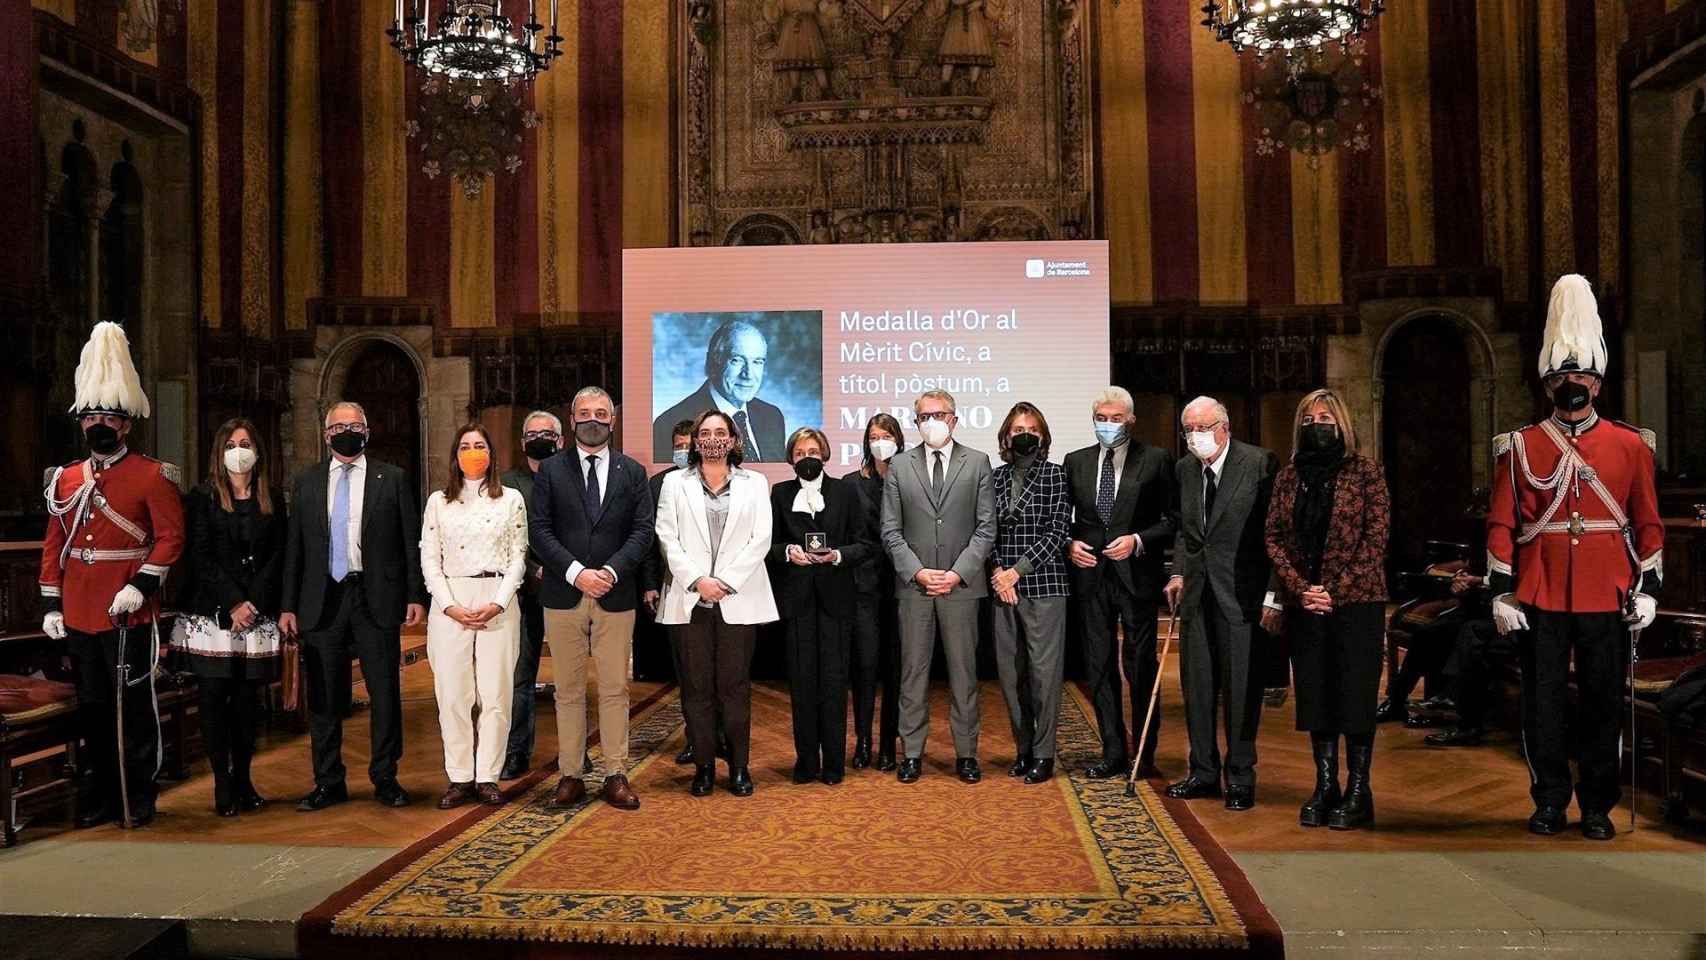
x=826 y=336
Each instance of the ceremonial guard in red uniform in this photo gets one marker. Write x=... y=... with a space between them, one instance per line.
x=115 y=527
x=1574 y=557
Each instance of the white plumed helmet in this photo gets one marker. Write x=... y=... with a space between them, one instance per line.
x=106 y=379
x=1574 y=341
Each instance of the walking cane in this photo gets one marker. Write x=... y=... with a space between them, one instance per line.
x=1154 y=695
x=122 y=621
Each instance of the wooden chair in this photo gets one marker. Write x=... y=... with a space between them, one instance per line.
x=38 y=747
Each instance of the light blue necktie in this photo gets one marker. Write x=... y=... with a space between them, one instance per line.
x=340 y=524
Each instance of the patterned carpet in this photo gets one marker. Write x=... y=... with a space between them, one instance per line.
x=869 y=865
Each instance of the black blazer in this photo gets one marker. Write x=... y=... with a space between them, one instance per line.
x=876 y=574
x=769 y=429
x=520 y=479
x=239 y=557
x=559 y=530
x=390 y=546
x=1143 y=505
x=846 y=522
x=654 y=568
x=1232 y=555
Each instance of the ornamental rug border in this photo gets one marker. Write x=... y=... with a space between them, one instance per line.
x=1161 y=883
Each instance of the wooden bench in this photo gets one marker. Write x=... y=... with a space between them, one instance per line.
x=38 y=747
x=1672 y=756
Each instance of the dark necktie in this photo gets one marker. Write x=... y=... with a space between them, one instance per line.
x=936 y=476
x=1207 y=496
x=593 y=500
x=748 y=446
x=1105 y=489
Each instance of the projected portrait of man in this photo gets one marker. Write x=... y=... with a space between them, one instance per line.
x=735 y=359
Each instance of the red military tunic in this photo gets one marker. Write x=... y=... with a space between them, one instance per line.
x=1589 y=528
x=112 y=523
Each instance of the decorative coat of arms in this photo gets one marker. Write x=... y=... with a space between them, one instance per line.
x=1316 y=103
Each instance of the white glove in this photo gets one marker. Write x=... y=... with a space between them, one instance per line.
x=1646 y=608
x=1507 y=616
x=53 y=625
x=128 y=600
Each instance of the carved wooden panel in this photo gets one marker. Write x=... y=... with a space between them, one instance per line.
x=857 y=121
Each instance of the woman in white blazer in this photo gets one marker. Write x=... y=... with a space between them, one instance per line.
x=714 y=526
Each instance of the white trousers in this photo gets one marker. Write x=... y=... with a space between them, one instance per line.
x=473 y=669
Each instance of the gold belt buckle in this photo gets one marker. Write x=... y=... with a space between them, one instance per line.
x=1577 y=527
x=89 y=556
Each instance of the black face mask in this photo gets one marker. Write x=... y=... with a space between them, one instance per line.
x=1571 y=397
x=1025 y=444
x=349 y=444
x=1319 y=438
x=102 y=438
x=808 y=468
x=539 y=448
x=593 y=433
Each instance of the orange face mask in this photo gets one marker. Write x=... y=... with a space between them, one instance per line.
x=474 y=462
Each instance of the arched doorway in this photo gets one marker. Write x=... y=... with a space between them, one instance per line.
x=382 y=377
x=1426 y=437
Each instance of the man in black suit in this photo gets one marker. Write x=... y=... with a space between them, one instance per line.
x=734 y=372
x=590 y=521
x=352 y=577
x=541 y=438
x=1122 y=496
x=1222 y=586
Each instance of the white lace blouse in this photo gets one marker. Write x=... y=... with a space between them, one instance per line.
x=471 y=535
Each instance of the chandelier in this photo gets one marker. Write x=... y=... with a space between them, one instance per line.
x=469 y=130
x=474 y=40
x=1288 y=27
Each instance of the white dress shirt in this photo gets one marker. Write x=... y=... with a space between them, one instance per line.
x=947 y=452
x=1218 y=464
x=357 y=487
x=601 y=469
x=471 y=535
x=731 y=408
x=1119 y=471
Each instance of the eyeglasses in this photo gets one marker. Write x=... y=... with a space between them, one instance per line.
x=338 y=428
x=541 y=435
x=1189 y=429
x=935 y=415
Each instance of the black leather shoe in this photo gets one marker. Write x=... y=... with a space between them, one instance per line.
x=391 y=794
x=515 y=767
x=1597 y=826
x=1547 y=821
x=1391 y=711
x=1021 y=766
x=1107 y=769
x=95 y=817
x=1456 y=737
x=141 y=812
x=968 y=770
x=831 y=778
x=1425 y=721
x=704 y=781
x=224 y=800
x=740 y=782
x=322 y=797
x=802 y=775
x=910 y=770
x=685 y=757
x=1240 y=797
x=1041 y=769
x=886 y=760
x=861 y=753
x=1193 y=788
x=248 y=800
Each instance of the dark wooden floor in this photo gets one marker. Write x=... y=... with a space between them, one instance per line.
x=1427 y=799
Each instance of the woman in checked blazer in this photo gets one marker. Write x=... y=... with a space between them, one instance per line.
x=1032 y=514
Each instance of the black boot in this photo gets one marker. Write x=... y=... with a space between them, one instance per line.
x=224 y=797
x=1326 y=796
x=861 y=753
x=1357 y=810
x=704 y=781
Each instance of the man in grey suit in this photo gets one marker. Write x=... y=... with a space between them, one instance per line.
x=1221 y=585
x=939 y=528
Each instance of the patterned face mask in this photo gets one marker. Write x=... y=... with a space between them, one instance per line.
x=715 y=449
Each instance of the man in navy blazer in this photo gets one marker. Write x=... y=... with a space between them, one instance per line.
x=590 y=521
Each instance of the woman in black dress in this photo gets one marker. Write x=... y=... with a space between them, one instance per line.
x=229 y=637
x=876 y=627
